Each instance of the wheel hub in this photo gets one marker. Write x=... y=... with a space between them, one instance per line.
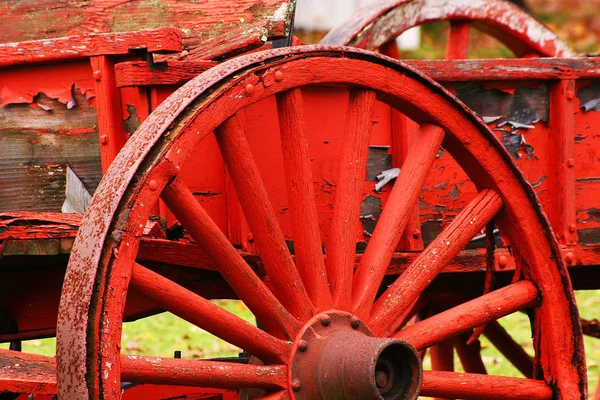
x=337 y=357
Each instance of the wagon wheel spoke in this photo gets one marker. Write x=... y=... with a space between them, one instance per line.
x=412 y=310
x=432 y=260
x=470 y=355
x=395 y=216
x=471 y=314
x=261 y=217
x=301 y=197
x=509 y=348
x=195 y=309
x=442 y=359
x=212 y=374
x=457 y=46
x=205 y=232
x=341 y=247
x=477 y=387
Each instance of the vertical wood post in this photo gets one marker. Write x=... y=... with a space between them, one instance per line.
x=111 y=127
x=561 y=159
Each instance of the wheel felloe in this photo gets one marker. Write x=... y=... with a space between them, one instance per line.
x=337 y=360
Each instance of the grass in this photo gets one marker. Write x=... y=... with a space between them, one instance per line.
x=163 y=334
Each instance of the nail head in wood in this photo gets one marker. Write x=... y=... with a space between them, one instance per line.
x=570 y=258
x=302 y=345
x=502 y=262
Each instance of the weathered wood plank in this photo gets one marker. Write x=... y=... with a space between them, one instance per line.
x=509 y=69
x=441 y=70
x=37 y=143
x=83 y=46
x=38 y=225
x=33 y=20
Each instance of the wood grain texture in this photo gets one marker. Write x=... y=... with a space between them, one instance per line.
x=341 y=245
x=36 y=147
x=483 y=387
x=210 y=29
x=84 y=46
x=308 y=248
x=212 y=374
x=27 y=373
x=49 y=18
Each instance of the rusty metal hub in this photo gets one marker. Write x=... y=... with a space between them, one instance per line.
x=337 y=357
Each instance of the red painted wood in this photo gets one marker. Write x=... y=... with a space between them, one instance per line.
x=404 y=131
x=172 y=72
x=83 y=46
x=471 y=314
x=457 y=45
x=205 y=314
x=483 y=387
x=345 y=223
x=442 y=358
x=197 y=20
x=429 y=264
x=162 y=392
x=441 y=70
x=34 y=225
x=261 y=217
x=213 y=374
x=111 y=128
x=27 y=373
x=509 y=69
x=301 y=197
x=395 y=216
x=263 y=304
x=561 y=171
x=416 y=307
x=470 y=355
x=509 y=348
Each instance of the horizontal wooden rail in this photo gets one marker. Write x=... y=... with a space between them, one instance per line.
x=162 y=40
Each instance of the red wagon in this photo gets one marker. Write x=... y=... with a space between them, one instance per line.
x=269 y=178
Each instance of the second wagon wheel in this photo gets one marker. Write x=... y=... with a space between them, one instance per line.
x=325 y=326
x=376 y=27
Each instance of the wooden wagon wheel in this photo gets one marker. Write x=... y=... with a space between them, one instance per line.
x=324 y=325
x=376 y=27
